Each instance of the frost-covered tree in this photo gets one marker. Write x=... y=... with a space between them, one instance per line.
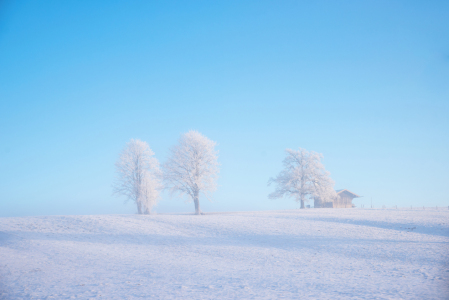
x=192 y=167
x=303 y=178
x=138 y=175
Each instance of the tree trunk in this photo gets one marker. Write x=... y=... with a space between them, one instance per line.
x=301 y=198
x=139 y=208
x=196 y=200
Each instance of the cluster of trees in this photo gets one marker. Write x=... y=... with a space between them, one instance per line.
x=192 y=169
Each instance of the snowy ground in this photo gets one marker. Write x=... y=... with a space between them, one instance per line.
x=312 y=253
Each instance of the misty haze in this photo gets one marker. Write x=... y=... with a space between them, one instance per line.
x=224 y=150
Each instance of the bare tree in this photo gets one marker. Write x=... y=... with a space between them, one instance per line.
x=138 y=175
x=192 y=167
x=303 y=178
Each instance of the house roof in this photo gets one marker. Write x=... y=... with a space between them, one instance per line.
x=349 y=192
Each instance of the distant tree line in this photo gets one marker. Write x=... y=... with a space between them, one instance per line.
x=192 y=170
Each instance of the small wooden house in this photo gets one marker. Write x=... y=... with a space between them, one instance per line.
x=343 y=200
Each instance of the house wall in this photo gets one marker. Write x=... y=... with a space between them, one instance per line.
x=343 y=201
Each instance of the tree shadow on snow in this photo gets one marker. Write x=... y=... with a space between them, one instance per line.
x=363 y=248
x=402 y=227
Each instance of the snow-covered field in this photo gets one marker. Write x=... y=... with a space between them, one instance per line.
x=307 y=254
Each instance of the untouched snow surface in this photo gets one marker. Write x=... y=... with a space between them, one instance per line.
x=311 y=253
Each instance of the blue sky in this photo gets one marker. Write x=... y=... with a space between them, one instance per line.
x=365 y=83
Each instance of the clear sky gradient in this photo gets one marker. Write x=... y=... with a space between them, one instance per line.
x=366 y=83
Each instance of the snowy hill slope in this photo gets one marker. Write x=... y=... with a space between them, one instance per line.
x=312 y=253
